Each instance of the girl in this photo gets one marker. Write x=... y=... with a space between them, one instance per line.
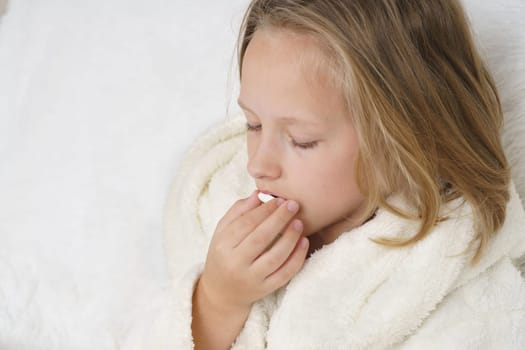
x=375 y=125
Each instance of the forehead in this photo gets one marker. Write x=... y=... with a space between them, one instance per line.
x=287 y=71
x=303 y=53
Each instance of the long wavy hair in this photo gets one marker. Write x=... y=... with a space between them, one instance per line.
x=425 y=108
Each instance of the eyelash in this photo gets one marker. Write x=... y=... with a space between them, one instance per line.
x=305 y=145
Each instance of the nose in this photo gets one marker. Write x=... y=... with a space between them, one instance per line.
x=263 y=160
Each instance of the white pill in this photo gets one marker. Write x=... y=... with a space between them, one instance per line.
x=265 y=197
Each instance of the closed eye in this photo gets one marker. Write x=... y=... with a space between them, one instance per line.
x=250 y=127
x=302 y=145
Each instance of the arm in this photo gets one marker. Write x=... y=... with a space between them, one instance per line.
x=231 y=272
x=207 y=314
x=245 y=263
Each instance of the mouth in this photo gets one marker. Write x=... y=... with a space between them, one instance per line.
x=265 y=196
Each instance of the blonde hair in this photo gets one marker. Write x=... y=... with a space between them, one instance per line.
x=424 y=105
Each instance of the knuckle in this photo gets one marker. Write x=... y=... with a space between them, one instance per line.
x=282 y=277
x=293 y=266
x=288 y=241
x=292 y=234
x=235 y=228
x=220 y=224
x=250 y=221
x=284 y=214
x=259 y=240
x=269 y=207
x=218 y=249
x=232 y=269
x=274 y=261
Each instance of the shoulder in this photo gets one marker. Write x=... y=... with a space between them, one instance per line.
x=208 y=152
x=211 y=148
x=488 y=312
x=208 y=180
x=485 y=307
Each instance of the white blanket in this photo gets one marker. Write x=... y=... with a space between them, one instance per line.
x=98 y=100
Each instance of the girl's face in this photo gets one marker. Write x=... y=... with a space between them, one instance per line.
x=301 y=142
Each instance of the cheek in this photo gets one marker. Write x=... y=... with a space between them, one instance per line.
x=330 y=177
x=328 y=193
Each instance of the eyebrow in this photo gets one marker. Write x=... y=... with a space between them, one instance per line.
x=287 y=119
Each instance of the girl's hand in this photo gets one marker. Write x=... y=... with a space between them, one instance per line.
x=242 y=265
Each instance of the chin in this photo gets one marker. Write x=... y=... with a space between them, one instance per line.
x=309 y=229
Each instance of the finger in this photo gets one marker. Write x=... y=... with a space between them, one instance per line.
x=239 y=208
x=249 y=221
x=289 y=268
x=278 y=253
x=257 y=241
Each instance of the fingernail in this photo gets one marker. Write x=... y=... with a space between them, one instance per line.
x=280 y=201
x=292 y=206
x=298 y=225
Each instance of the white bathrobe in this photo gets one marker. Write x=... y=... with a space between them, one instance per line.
x=352 y=293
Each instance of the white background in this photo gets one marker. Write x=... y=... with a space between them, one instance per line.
x=99 y=99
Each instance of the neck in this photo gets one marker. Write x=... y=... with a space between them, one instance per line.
x=330 y=233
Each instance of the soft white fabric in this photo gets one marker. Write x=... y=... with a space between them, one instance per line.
x=98 y=99
x=353 y=293
x=498 y=26
x=154 y=326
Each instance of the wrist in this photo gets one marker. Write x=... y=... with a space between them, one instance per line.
x=215 y=324
x=219 y=304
